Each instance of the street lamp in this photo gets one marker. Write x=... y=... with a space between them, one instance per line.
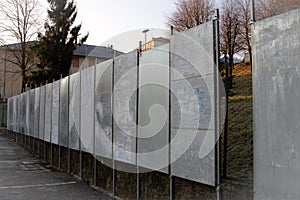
x=145 y=32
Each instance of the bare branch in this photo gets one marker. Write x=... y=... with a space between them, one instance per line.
x=20 y=21
x=269 y=8
x=190 y=13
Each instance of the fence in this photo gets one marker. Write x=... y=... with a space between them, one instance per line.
x=78 y=123
x=143 y=125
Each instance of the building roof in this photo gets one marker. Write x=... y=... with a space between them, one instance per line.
x=84 y=50
x=16 y=46
x=96 y=51
x=161 y=39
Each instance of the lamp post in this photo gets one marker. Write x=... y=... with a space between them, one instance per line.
x=145 y=32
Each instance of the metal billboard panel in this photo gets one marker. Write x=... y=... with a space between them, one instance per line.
x=48 y=113
x=27 y=112
x=124 y=107
x=153 y=130
x=36 y=112
x=42 y=112
x=23 y=113
x=74 y=111
x=87 y=110
x=15 y=113
x=103 y=109
x=192 y=111
x=64 y=112
x=55 y=112
x=10 y=111
x=276 y=82
x=31 y=112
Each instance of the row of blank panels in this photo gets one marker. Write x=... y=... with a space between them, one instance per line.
x=98 y=108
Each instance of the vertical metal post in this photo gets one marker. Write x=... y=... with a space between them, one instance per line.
x=68 y=132
x=28 y=119
x=113 y=123
x=51 y=145
x=33 y=138
x=170 y=115
x=59 y=123
x=18 y=131
x=217 y=101
x=38 y=132
x=45 y=150
x=138 y=192
x=80 y=152
x=94 y=134
x=252 y=11
x=140 y=49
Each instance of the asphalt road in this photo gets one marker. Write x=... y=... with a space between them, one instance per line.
x=23 y=176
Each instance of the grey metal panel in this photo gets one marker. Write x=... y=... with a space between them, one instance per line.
x=187 y=157
x=192 y=85
x=18 y=127
x=153 y=131
x=192 y=105
x=23 y=113
x=125 y=107
x=192 y=52
x=64 y=112
x=48 y=113
x=103 y=109
x=15 y=114
x=74 y=111
x=36 y=112
x=276 y=82
x=124 y=144
x=124 y=113
x=27 y=113
x=125 y=71
x=10 y=114
x=87 y=110
x=104 y=77
x=31 y=112
x=55 y=112
x=42 y=112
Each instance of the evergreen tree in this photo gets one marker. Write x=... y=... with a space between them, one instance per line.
x=55 y=48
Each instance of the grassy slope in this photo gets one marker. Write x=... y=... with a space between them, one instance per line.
x=240 y=125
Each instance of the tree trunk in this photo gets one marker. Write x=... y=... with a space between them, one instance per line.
x=231 y=64
x=23 y=80
x=250 y=55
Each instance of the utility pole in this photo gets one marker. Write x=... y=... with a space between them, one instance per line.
x=145 y=32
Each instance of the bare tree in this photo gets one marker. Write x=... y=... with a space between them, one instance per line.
x=244 y=38
x=229 y=36
x=20 y=22
x=190 y=13
x=230 y=30
x=269 y=8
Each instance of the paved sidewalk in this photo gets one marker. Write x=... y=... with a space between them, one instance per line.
x=22 y=176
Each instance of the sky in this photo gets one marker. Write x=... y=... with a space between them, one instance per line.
x=107 y=18
x=110 y=22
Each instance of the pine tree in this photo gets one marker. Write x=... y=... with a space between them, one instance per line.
x=55 y=48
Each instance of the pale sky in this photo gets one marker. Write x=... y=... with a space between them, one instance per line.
x=105 y=19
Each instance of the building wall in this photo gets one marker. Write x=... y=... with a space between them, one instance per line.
x=10 y=73
x=155 y=42
x=83 y=62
